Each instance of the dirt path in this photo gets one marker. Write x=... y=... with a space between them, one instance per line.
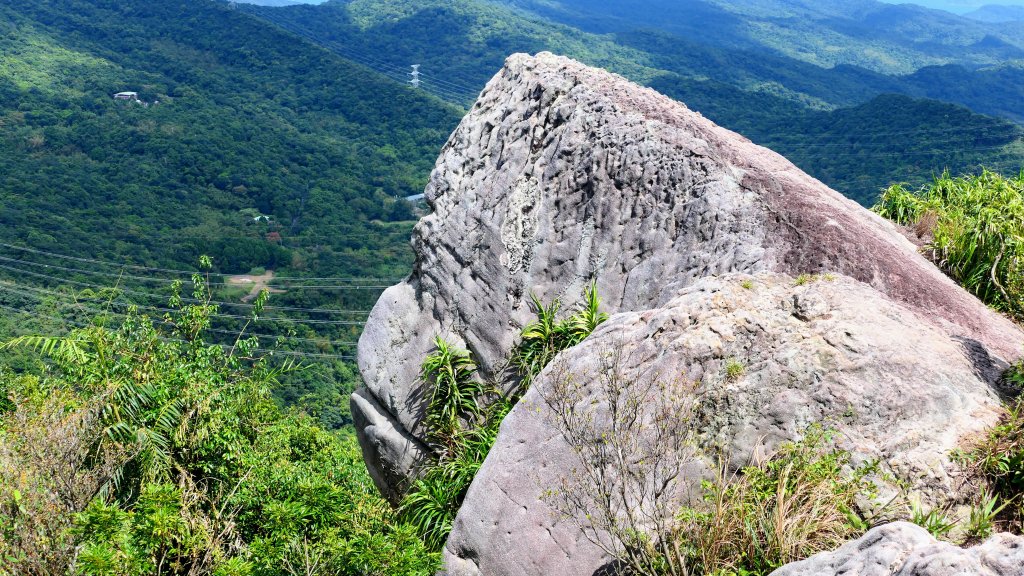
x=258 y=283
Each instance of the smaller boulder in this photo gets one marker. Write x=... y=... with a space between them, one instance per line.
x=904 y=549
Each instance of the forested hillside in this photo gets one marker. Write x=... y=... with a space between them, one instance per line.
x=246 y=145
x=791 y=105
x=240 y=117
x=997 y=13
x=888 y=38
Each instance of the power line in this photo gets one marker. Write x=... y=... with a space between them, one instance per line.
x=75 y=302
x=450 y=90
x=184 y=299
x=178 y=340
x=165 y=280
x=188 y=273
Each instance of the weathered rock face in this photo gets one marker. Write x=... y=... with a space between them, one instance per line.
x=561 y=174
x=832 y=351
x=902 y=549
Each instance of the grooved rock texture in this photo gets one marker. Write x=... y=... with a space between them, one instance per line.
x=833 y=351
x=561 y=174
x=902 y=549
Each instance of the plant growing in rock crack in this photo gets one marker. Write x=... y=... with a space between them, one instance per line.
x=998 y=458
x=434 y=499
x=632 y=440
x=461 y=430
x=937 y=523
x=734 y=369
x=544 y=338
x=996 y=461
x=982 y=519
x=450 y=374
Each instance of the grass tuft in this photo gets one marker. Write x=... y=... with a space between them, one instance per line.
x=975 y=231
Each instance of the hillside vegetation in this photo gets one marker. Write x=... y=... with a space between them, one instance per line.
x=248 y=119
x=255 y=148
x=146 y=450
x=776 y=100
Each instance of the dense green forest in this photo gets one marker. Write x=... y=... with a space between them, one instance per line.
x=292 y=149
x=143 y=448
x=248 y=145
x=794 y=106
x=240 y=117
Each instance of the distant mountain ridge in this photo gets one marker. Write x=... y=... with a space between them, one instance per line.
x=759 y=92
x=997 y=13
x=887 y=38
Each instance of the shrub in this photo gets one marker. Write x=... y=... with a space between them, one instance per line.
x=632 y=441
x=461 y=431
x=455 y=393
x=975 y=227
x=147 y=452
x=462 y=434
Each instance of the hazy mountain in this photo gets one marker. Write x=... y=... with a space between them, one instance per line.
x=996 y=13
x=887 y=38
x=790 y=104
x=279 y=3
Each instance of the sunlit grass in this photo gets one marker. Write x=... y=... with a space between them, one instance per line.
x=975 y=231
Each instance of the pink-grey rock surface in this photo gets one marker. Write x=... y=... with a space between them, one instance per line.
x=561 y=175
x=832 y=351
x=902 y=549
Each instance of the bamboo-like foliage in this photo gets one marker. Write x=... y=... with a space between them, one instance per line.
x=454 y=393
x=975 y=231
x=542 y=339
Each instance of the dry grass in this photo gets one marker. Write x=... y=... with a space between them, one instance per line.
x=633 y=441
x=51 y=466
x=788 y=508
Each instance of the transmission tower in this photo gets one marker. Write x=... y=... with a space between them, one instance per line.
x=415 y=76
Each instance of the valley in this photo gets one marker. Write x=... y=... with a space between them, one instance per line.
x=386 y=287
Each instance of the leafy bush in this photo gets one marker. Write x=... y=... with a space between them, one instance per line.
x=975 y=231
x=459 y=426
x=147 y=451
x=461 y=433
x=454 y=393
x=435 y=498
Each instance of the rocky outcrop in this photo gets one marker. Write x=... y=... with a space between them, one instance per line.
x=561 y=174
x=829 y=350
x=902 y=549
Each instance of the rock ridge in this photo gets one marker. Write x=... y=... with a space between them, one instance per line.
x=830 y=351
x=561 y=175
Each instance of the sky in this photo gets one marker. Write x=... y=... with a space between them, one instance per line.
x=957 y=6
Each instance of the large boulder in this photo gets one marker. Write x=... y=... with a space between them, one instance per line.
x=902 y=549
x=562 y=174
x=831 y=350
